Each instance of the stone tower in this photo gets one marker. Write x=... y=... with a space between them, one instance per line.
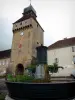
x=27 y=34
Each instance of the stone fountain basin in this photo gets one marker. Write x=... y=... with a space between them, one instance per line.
x=54 y=90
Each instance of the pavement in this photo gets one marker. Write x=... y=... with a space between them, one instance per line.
x=3 y=88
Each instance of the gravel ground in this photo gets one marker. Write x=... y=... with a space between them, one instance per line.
x=3 y=88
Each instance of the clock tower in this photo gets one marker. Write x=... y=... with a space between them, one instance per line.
x=27 y=34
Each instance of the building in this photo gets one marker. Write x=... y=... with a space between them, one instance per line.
x=4 y=60
x=27 y=35
x=63 y=53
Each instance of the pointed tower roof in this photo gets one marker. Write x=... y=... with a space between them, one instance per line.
x=27 y=13
x=28 y=9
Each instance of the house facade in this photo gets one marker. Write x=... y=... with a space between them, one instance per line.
x=62 y=52
x=4 y=60
x=27 y=35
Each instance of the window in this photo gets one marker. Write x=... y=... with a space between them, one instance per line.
x=0 y=63
x=21 y=33
x=28 y=34
x=56 y=60
x=73 y=49
x=16 y=25
x=3 y=62
x=7 y=62
x=74 y=59
x=21 y=23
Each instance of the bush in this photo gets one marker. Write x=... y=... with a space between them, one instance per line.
x=32 y=68
x=2 y=97
x=19 y=78
x=53 y=68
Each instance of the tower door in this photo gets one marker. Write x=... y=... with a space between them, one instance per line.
x=19 y=69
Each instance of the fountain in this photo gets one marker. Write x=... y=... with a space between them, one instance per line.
x=41 y=86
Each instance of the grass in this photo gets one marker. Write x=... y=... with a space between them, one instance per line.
x=2 y=97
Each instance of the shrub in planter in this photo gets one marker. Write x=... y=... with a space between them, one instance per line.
x=54 y=68
x=19 y=78
x=32 y=68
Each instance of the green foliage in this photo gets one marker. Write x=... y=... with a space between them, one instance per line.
x=32 y=68
x=20 y=78
x=2 y=97
x=9 y=77
x=53 y=68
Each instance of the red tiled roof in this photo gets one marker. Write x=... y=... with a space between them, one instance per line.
x=5 y=53
x=63 y=43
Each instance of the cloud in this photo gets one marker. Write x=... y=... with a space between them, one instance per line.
x=57 y=17
x=5 y=34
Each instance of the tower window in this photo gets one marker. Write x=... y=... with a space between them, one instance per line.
x=21 y=23
x=28 y=34
x=16 y=25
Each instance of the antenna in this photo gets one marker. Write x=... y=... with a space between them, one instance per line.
x=30 y=2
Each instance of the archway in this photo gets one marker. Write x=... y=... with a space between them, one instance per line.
x=19 y=69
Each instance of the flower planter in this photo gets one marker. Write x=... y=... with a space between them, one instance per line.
x=52 y=91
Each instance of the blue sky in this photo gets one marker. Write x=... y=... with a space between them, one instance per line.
x=57 y=17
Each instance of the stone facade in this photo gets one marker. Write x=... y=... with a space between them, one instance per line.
x=27 y=35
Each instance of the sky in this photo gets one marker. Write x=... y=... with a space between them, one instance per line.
x=57 y=17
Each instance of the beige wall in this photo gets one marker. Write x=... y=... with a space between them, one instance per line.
x=37 y=35
x=22 y=24
x=64 y=55
x=16 y=55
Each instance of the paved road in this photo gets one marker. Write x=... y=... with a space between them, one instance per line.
x=3 y=88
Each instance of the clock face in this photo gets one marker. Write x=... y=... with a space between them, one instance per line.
x=21 y=33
